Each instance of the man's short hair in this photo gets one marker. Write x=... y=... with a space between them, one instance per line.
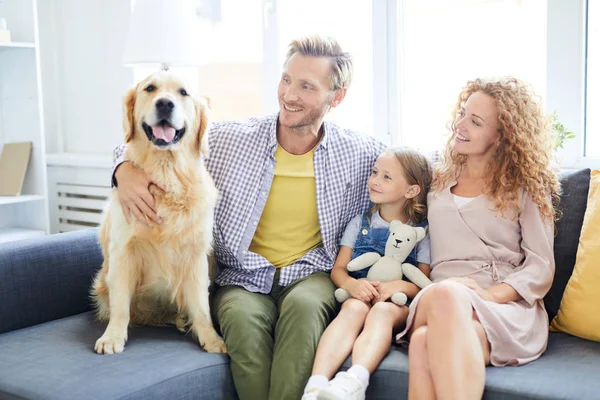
x=325 y=46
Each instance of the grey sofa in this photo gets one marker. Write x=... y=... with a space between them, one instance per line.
x=47 y=334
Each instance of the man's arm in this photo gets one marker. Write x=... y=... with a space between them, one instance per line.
x=134 y=195
x=118 y=159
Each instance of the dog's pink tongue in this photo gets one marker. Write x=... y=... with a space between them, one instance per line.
x=166 y=133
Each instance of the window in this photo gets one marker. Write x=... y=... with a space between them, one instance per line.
x=232 y=36
x=592 y=126
x=446 y=43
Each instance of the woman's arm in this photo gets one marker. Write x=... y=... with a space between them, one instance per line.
x=533 y=280
x=504 y=293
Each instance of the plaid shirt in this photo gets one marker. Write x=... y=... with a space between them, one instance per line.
x=242 y=162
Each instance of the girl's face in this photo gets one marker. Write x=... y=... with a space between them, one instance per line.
x=476 y=126
x=387 y=184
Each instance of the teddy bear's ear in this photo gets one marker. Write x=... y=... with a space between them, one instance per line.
x=420 y=233
x=395 y=224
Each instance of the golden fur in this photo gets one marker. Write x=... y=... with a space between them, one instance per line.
x=522 y=159
x=159 y=275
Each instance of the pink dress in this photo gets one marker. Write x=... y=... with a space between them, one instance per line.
x=475 y=242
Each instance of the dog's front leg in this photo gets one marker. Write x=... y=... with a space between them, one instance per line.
x=120 y=290
x=195 y=293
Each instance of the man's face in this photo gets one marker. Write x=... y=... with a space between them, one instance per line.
x=304 y=91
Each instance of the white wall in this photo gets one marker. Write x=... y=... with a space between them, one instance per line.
x=81 y=44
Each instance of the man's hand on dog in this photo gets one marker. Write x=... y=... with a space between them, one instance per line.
x=134 y=195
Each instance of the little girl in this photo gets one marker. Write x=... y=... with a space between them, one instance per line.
x=398 y=187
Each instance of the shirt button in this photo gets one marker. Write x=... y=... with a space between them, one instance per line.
x=364 y=231
x=255 y=222
x=244 y=252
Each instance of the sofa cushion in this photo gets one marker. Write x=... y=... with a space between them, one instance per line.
x=47 y=278
x=575 y=187
x=578 y=312
x=56 y=360
x=569 y=369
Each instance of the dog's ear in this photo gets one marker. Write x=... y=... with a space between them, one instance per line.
x=202 y=116
x=128 y=120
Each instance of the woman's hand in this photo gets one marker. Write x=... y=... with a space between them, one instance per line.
x=471 y=284
x=134 y=195
x=363 y=289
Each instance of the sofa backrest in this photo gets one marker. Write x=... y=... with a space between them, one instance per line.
x=575 y=187
x=47 y=278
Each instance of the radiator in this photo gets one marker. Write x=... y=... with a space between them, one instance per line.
x=77 y=195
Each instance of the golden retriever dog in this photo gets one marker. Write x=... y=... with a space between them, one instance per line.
x=159 y=275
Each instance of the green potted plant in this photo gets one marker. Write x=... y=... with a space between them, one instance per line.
x=560 y=133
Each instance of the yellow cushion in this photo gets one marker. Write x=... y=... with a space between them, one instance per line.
x=578 y=313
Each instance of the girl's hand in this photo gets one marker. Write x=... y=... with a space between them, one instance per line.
x=471 y=284
x=363 y=290
x=386 y=290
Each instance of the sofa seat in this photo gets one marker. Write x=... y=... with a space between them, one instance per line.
x=56 y=360
x=569 y=369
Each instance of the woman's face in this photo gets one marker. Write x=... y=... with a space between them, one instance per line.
x=476 y=126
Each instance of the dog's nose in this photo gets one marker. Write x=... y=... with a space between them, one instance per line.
x=164 y=106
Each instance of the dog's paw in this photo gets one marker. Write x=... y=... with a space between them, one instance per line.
x=108 y=344
x=216 y=345
x=181 y=323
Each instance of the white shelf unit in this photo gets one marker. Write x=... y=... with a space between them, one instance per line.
x=21 y=119
x=13 y=45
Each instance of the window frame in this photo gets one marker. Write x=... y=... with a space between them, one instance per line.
x=566 y=77
x=565 y=71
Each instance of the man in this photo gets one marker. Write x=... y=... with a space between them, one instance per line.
x=288 y=183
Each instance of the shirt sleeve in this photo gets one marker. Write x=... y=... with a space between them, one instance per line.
x=424 y=251
x=534 y=278
x=118 y=159
x=351 y=232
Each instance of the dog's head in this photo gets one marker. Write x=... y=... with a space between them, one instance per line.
x=162 y=110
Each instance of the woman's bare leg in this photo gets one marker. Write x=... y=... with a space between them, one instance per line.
x=456 y=339
x=420 y=383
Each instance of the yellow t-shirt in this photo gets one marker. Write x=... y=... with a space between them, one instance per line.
x=289 y=225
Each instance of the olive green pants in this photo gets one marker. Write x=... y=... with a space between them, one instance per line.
x=272 y=338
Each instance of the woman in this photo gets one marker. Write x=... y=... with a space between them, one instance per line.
x=491 y=219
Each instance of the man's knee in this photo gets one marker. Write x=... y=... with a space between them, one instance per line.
x=239 y=310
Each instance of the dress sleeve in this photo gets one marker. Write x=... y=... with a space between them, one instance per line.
x=118 y=159
x=534 y=278
x=351 y=232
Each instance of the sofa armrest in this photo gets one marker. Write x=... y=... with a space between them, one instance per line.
x=47 y=278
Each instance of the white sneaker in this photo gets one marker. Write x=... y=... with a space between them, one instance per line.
x=311 y=394
x=344 y=386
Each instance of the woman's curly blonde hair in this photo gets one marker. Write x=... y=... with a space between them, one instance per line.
x=523 y=150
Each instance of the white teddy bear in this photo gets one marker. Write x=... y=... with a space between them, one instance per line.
x=401 y=241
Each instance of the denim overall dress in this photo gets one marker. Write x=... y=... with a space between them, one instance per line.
x=374 y=240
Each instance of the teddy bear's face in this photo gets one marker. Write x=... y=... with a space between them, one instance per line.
x=402 y=240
